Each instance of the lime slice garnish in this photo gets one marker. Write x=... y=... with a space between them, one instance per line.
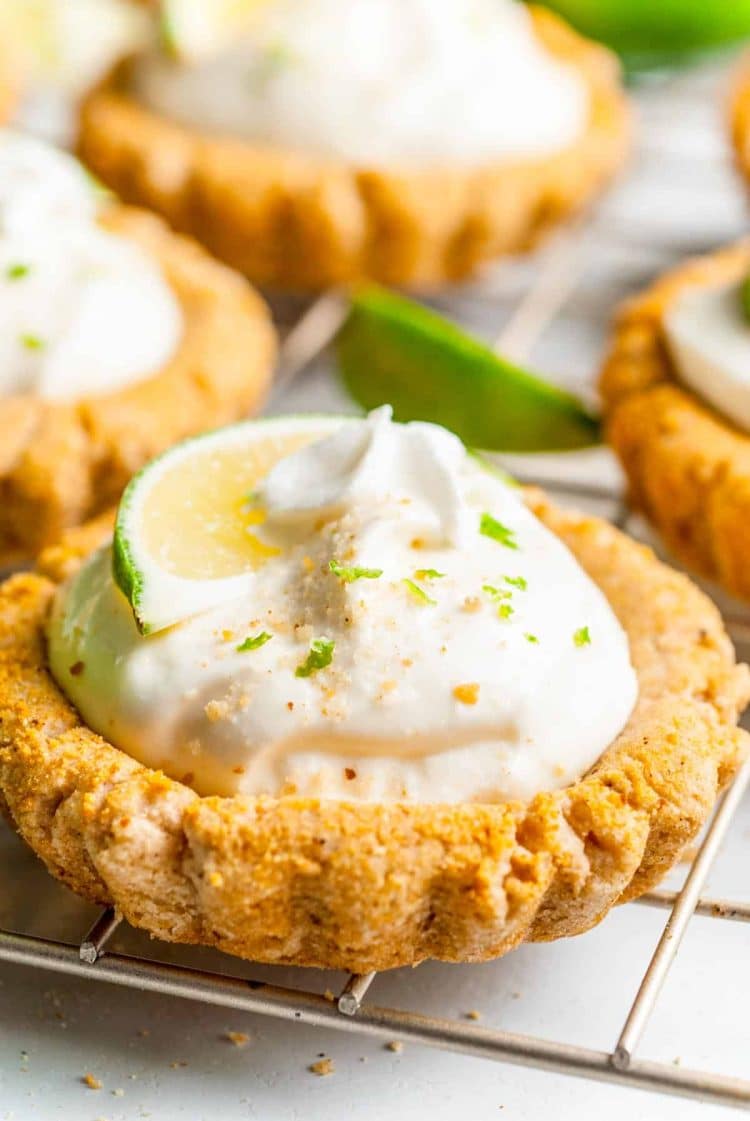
x=394 y=351
x=194 y=29
x=186 y=529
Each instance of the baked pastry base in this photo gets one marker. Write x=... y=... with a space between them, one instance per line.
x=688 y=468
x=62 y=462
x=361 y=886
x=290 y=220
x=739 y=118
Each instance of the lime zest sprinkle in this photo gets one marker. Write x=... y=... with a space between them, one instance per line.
x=419 y=594
x=516 y=582
x=428 y=574
x=355 y=572
x=320 y=656
x=496 y=593
x=17 y=271
x=31 y=342
x=505 y=610
x=582 y=637
x=531 y=638
x=491 y=527
x=254 y=642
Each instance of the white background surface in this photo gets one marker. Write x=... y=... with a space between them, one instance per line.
x=679 y=196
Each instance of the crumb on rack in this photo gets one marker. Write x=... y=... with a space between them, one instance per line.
x=322 y=1067
x=395 y=1045
x=474 y=1014
x=238 y=1038
x=91 y=1081
x=329 y=995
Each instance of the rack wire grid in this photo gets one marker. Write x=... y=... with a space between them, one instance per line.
x=529 y=297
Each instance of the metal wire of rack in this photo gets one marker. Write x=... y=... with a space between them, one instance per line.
x=351 y=1012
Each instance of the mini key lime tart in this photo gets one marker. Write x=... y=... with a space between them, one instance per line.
x=336 y=695
x=117 y=338
x=327 y=141
x=676 y=391
x=55 y=51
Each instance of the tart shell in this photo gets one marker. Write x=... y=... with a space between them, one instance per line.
x=739 y=118
x=60 y=463
x=371 y=886
x=688 y=468
x=290 y=220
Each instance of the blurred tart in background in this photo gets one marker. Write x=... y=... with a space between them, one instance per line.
x=676 y=393
x=117 y=338
x=389 y=139
x=336 y=695
x=740 y=118
x=54 y=51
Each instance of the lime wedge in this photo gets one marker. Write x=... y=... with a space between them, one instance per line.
x=194 y=29
x=394 y=351
x=185 y=535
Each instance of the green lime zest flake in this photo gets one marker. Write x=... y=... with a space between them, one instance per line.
x=496 y=593
x=491 y=527
x=255 y=642
x=419 y=594
x=516 y=582
x=532 y=639
x=745 y=297
x=505 y=610
x=349 y=575
x=17 y=271
x=429 y=574
x=320 y=656
x=582 y=637
x=31 y=342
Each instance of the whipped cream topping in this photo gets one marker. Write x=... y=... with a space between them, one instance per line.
x=82 y=311
x=406 y=642
x=62 y=49
x=709 y=340
x=380 y=81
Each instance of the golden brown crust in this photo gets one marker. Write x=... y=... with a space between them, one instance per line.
x=291 y=221
x=374 y=886
x=688 y=468
x=61 y=463
x=739 y=118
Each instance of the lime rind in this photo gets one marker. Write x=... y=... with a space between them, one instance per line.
x=157 y=597
x=392 y=350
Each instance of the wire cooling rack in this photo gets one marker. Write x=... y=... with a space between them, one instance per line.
x=542 y=298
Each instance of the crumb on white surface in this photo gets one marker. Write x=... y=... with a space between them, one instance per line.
x=91 y=1081
x=395 y=1045
x=238 y=1038
x=322 y=1067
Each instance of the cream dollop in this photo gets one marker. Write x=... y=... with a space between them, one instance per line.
x=387 y=658
x=82 y=311
x=381 y=81
x=359 y=464
x=709 y=340
x=61 y=49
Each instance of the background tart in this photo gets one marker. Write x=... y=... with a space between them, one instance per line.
x=688 y=468
x=62 y=462
x=371 y=886
x=290 y=220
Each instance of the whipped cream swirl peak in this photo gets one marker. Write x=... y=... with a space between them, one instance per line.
x=368 y=460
